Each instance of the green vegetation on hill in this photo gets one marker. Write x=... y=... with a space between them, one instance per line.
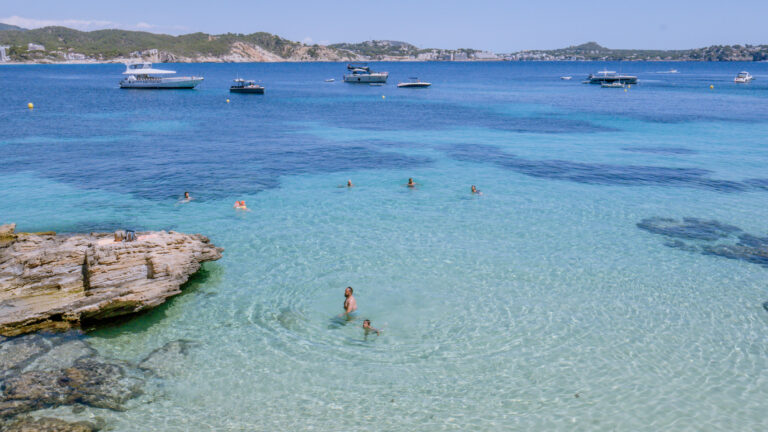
x=107 y=44
x=379 y=48
x=593 y=51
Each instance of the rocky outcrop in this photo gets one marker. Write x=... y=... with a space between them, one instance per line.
x=50 y=281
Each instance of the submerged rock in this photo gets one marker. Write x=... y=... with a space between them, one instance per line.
x=90 y=381
x=46 y=424
x=688 y=228
x=704 y=233
x=50 y=281
x=168 y=360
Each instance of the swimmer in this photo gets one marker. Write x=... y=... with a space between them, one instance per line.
x=475 y=191
x=368 y=329
x=349 y=183
x=350 y=304
x=187 y=198
x=240 y=205
x=411 y=183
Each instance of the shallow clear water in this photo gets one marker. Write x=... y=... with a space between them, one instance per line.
x=538 y=305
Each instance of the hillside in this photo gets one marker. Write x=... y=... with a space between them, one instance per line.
x=594 y=51
x=55 y=44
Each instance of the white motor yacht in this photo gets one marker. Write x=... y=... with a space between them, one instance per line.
x=360 y=73
x=143 y=76
x=743 y=78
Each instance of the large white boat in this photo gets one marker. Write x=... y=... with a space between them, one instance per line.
x=743 y=78
x=143 y=76
x=361 y=73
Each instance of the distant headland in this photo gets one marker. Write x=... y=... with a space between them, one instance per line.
x=65 y=45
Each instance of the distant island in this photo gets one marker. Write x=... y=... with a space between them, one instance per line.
x=65 y=45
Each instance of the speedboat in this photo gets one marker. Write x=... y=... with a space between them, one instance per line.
x=743 y=78
x=361 y=73
x=566 y=78
x=615 y=84
x=671 y=71
x=246 y=86
x=143 y=76
x=606 y=76
x=330 y=80
x=414 y=83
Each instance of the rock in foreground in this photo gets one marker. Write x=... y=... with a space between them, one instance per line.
x=50 y=281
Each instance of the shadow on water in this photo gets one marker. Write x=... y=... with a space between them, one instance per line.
x=602 y=173
x=210 y=274
x=709 y=237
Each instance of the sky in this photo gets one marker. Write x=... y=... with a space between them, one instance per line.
x=499 y=26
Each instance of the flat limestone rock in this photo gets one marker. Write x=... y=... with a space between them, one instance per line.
x=54 y=282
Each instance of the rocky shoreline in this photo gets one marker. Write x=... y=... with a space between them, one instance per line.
x=57 y=282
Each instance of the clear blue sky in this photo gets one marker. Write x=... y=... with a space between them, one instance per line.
x=500 y=26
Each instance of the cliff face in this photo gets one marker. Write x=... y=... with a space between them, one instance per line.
x=50 y=281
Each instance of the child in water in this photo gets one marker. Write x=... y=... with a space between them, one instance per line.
x=240 y=205
x=368 y=329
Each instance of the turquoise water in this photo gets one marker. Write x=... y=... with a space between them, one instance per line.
x=540 y=305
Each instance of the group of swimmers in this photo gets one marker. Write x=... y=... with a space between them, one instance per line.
x=240 y=205
x=413 y=184
x=350 y=309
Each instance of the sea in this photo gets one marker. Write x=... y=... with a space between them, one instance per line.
x=612 y=275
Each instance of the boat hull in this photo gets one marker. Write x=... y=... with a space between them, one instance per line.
x=414 y=85
x=259 y=90
x=612 y=79
x=178 y=83
x=379 y=77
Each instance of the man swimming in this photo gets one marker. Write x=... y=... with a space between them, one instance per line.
x=350 y=304
x=411 y=183
x=187 y=197
x=349 y=183
x=475 y=191
x=368 y=329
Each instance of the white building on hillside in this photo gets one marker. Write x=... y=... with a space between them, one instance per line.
x=4 y=54
x=35 y=47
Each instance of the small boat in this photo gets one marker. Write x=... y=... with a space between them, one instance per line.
x=566 y=78
x=360 y=73
x=414 y=83
x=246 y=86
x=606 y=76
x=671 y=71
x=615 y=84
x=330 y=80
x=743 y=78
x=144 y=76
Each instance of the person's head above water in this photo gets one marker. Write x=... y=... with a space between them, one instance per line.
x=186 y=194
x=348 y=291
x=349 y=183
x=474 y=189
x=367 y=323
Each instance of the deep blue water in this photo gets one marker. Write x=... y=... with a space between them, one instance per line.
x=615 y=252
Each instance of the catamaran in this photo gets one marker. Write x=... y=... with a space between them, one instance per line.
x=143 y=76
x=606 y=76
x=361 y=73
x=246 y=86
